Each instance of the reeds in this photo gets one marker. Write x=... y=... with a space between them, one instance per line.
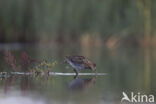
x=56 y=18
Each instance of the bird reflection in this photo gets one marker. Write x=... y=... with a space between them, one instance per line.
x=79 y=84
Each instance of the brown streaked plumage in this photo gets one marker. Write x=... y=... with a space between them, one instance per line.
x=80 y=63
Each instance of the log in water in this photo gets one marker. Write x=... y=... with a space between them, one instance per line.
x=57 y=74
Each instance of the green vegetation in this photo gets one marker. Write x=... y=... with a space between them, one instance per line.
x=30 y=20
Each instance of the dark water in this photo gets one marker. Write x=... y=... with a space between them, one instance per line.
x=128 y=70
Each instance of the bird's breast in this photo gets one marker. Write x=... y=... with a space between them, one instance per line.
x=75 y=65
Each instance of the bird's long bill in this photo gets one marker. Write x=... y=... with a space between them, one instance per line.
x=95 y=73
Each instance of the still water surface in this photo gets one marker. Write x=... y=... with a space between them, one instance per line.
x=128 y=69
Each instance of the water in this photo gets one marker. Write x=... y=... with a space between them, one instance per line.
x=121 y=69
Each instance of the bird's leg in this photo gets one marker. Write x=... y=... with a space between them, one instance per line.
x=76 y=73
x=75 y=77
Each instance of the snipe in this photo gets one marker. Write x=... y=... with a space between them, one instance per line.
x=80 y=63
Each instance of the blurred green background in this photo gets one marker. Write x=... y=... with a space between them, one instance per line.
x=101 y=21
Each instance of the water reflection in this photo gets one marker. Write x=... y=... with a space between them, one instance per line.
x=20 y=100
x=23 y=84
x=9 y=83
x=80 y=84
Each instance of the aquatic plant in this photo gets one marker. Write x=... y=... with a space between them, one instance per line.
x=44 y=67
x=25 y=63
x=10 y=60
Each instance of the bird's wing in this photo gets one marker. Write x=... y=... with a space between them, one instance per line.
x=77 y=60
x=87 y=62
x=80 y=60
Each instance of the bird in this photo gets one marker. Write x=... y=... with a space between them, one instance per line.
x=80 y=63
x=79 y=84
